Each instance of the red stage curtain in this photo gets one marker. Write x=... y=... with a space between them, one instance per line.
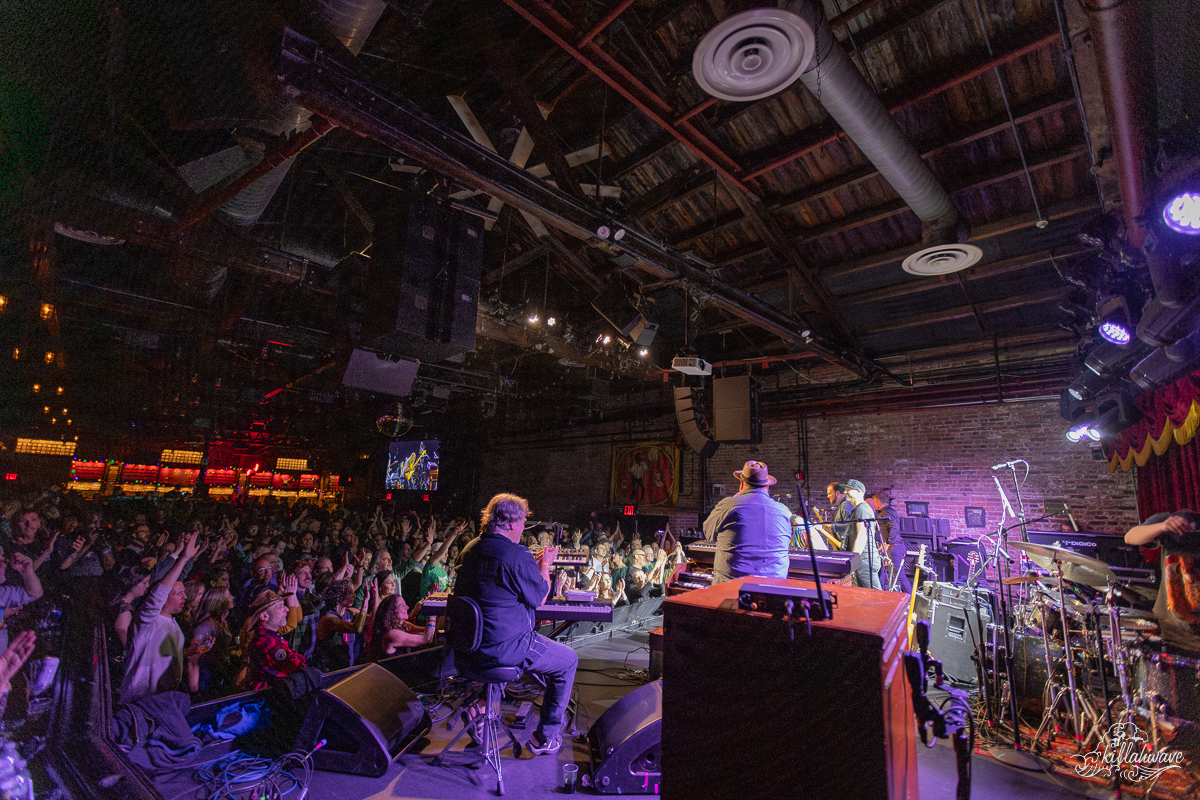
x=1170 y=482
x=1171 y=416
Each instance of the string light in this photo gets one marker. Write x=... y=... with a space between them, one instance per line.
x=16 y=352
x=60 y=390
x=50 y=358
x=37 y=387
x=47 y=311
x=3 y=302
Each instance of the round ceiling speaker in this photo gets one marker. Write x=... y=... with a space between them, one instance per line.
x=754 y=54
x=943 y=259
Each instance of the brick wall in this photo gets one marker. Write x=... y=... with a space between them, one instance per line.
x=942 y=456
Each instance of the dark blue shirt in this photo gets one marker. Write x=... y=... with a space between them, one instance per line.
x=505 y=580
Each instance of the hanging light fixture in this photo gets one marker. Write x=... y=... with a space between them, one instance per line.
x=396 y=424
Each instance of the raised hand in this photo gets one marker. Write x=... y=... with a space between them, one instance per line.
x=288 y=584
x=18 y=652
x=78 y=545
x=191 y=546
x=20 y=562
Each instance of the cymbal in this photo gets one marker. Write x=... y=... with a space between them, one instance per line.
x=1015 y=579
x=1134 y=596
x=1076 y=566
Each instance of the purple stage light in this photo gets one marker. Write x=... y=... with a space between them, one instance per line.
x=1115 y=332
x=1182 y=214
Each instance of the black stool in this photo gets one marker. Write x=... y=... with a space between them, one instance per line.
x=464 y=632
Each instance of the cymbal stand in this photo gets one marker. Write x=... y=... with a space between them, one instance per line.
x=1056 y=694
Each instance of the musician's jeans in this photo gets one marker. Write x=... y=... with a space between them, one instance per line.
x=555 y=663
x=867 y=574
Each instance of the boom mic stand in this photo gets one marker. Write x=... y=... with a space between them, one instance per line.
x=812 y=554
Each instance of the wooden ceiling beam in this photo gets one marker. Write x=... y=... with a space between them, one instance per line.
x=962 y=312
x=515 y=263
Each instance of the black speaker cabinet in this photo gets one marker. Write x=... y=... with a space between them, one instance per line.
x=954 y=626
x=424 y=279
x=366 y=720
x=755 y=708
x=625 y=744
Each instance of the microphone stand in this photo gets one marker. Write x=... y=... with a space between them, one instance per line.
x=812 y=556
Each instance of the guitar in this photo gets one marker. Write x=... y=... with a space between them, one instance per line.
x=912 y=600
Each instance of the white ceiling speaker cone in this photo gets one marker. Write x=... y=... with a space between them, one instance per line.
x=942 y=259
x=753 y=55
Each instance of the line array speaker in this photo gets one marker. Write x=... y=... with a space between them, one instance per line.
x=685 y=413
x=423 y=298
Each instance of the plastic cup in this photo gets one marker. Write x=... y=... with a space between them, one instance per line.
x=570 y=773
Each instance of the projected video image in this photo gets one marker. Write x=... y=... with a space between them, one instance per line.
x=413 y=465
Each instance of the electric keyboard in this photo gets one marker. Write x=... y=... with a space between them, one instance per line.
x=832 y=563
x=553 y=608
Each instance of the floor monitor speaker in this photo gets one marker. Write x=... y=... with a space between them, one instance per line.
x=366 y=720
x=625 y=744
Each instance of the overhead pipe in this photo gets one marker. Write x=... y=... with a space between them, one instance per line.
x=277 y=157
x=1126 y=65
x=832 y=78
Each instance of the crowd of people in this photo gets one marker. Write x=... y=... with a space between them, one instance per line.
x=212 y=598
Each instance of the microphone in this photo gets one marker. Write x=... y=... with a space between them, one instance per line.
x=1006 y=464
x=1071 y=517
x=1004 y=498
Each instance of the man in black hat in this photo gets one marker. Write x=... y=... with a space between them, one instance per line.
x=751 y=530
x=857 y=529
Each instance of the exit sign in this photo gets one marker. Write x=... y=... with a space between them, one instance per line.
x=630 y=510
x=10 y=476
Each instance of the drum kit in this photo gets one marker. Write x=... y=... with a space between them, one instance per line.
x=1087 y=655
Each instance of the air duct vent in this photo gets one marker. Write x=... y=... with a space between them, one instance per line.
x=942 y=259
x=754 y=54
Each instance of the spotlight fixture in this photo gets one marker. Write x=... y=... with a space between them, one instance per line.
x=607 y=340
x=1182 y=214
x=1115 y=324
x=605 y=232
x=643 y=352
x=551 y=321
x=487 y=407
x=1077 y=433
x=1099 y=232
x=532 y=319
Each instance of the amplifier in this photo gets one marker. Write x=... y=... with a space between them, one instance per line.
x=955 y=626
x=1112 y=550
x=915 y=530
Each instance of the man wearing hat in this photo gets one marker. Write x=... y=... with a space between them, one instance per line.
x=856 y=528
x=751 y=530
x=269 y=656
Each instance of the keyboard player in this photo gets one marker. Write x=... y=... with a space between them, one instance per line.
x=509 y=584
x=752 y=531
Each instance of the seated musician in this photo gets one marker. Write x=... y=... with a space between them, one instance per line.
x=1178 y=604
x=751 y=530
x=509 y=584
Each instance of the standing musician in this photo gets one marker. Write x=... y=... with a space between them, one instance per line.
x=1178 y=603
x=751 y=530
x=508 y=584
x=889 y=531
x=857 y=531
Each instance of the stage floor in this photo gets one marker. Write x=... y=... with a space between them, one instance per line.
x=606 y=674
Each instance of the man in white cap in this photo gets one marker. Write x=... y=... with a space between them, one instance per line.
x=751 y=530
x=858 y=532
